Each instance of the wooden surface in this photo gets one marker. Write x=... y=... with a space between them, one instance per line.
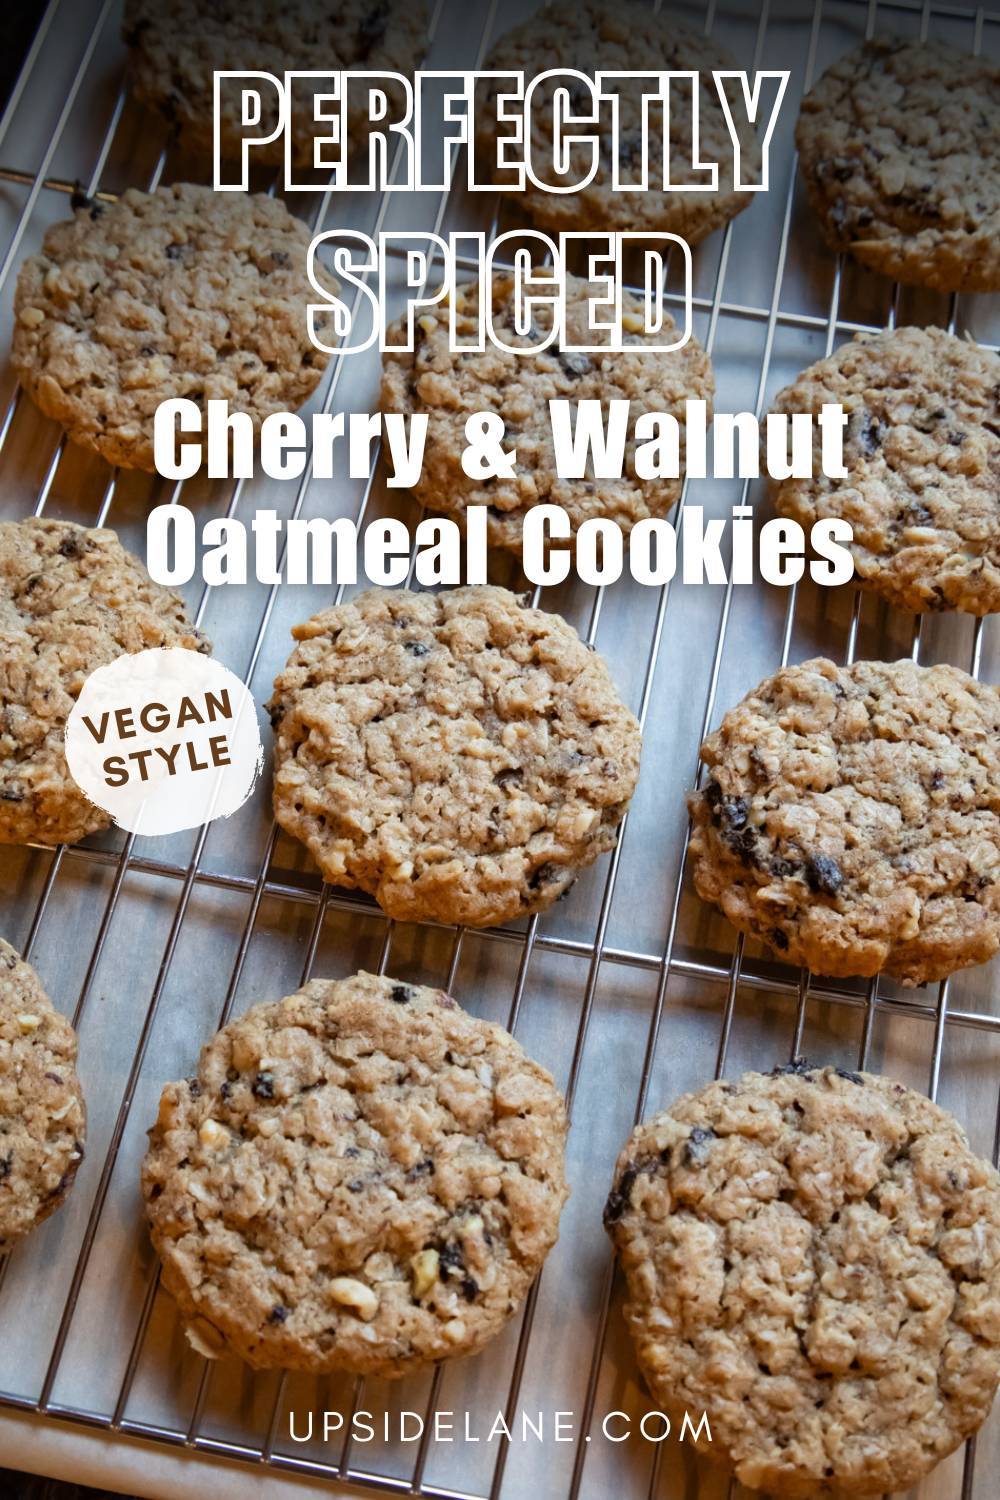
x=31 y=1487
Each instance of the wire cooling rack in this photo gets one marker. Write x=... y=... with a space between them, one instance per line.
x=630 y=990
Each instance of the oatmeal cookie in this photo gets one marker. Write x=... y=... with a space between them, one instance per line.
x=812 y=1257
x=42 y=1114
x=175 y=47
x=851 y=818
x=449 y=386
x=360 y=1177
x=628 y=38
x=71 y=600
x=457 y=755
x=922 y=448
x=899 y=144
x=181 y=292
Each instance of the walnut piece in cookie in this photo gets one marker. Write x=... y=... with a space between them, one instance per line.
x=43 y=1121
x=590 y=36
x=850 y=818
x=899 y=144
x=176 y=47
x=183 y=292
x=458 y=755
x=812 y=1258
x=448 y=385
x=71 y=600
x=922 y=448
x=361 y=1177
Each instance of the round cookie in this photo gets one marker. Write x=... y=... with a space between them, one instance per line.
x=850 y=818
x=589 y=37
x=899 y=144
x=457 y=755
x=42 y=1115
x=447 y=387
x=360 y=1177
x=812 y=1257
x=71 y=600
x=175 y=47
x=181 y=292
x=922 y=447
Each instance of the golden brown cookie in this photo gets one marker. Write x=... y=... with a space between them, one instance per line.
x=448 y=386
x=43 y=1121
x=922 y=448
x=813 y=1259
x=180 y=292
x=899 y=144
x=850 y=818
x=71 y=600
x=176 y=46
x=458 y=755
x=360 y=1177
x=627 y=37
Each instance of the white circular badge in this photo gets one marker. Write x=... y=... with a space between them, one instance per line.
x=164 y=740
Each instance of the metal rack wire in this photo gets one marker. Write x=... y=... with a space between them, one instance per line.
x=691 y=979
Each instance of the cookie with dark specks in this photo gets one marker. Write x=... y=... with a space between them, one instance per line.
x=175 y=47
x=43 y=1121
x=447 y=386
x=181 y=292
x=922 y=448
x=459 y=756
x=812 y=1258
x=360 y=1177
x=850 y=818
x=71 y=600
x=899 y=144
x=591 y=36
